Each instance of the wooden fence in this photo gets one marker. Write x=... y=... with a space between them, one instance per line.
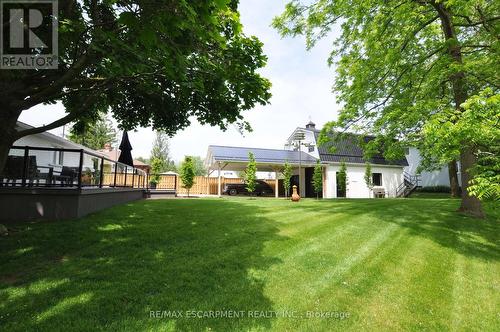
x=202 y=185
x=124 y=180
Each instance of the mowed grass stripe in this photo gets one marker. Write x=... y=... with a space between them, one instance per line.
x=392 y=264
x=347 y=293
x=476 y=295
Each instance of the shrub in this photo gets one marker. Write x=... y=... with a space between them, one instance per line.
x=435 y=189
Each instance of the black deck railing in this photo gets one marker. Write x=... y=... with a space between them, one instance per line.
x=29 y=166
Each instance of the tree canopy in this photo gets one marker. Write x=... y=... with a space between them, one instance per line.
x=151 y=63
x=479 y=124
x=399 y=63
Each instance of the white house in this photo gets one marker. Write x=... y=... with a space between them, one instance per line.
x=66 y=158
x=49 y=140
x=438 y=177
x=388 y=176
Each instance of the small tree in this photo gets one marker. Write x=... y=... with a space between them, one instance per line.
x=342 y=178
x=251 y=173
x=369 y=178
x=287 y=174
x=317 y=180
x=156 y=166
x=187 y=173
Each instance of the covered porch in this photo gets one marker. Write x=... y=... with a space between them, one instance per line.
x=229 y=158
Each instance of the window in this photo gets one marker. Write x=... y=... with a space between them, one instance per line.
x=311 y=148
x=377 y=179
x=61 y=157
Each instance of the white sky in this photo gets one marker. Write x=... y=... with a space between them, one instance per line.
x=301 y=90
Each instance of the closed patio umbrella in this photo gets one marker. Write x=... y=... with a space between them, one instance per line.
x=126 y=151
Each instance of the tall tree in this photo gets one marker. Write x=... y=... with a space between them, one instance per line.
x=480 y=124
x=94 y=134
x=161 y=152
x=317 y=179
x=401 y=63
x=251 y=173
x=187 y=173
x=287 y=175
x=151 y=63
x=142 y=159
x=199 y=167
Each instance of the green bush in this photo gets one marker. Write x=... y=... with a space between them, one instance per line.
x=435 y=189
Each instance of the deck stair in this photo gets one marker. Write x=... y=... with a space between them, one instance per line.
x=410 y=183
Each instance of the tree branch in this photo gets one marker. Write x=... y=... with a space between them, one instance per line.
x=417 y=30
x=59 y=84
x=58 y=123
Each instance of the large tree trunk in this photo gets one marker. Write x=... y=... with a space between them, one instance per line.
x=8 y=120
x=4 y=152
x=453 y=175
x=470 y=205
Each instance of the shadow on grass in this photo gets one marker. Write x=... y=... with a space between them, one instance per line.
x=433 y=219
x=110 y=270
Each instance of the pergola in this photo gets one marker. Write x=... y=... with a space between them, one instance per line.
x=267 y=160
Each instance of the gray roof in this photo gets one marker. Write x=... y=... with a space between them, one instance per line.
x=269 y=156
x=347 y=148
x=54 y=138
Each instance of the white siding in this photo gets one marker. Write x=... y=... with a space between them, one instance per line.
x=309 y=138
x=434 y=178
x=52 y=158
x=392 y=177
x=331 y=181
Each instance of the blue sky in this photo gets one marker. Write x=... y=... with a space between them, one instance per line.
x=301 y=91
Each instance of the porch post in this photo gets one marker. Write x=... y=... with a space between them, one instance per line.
x=276 y=186
x=218 y=180
x=101 y=176
x=80 y=169
x=133 y=174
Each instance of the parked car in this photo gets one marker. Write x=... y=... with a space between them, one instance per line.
x=262 y=188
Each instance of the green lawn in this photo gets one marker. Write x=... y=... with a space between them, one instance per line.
x=383 y=264
x=419 y=194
